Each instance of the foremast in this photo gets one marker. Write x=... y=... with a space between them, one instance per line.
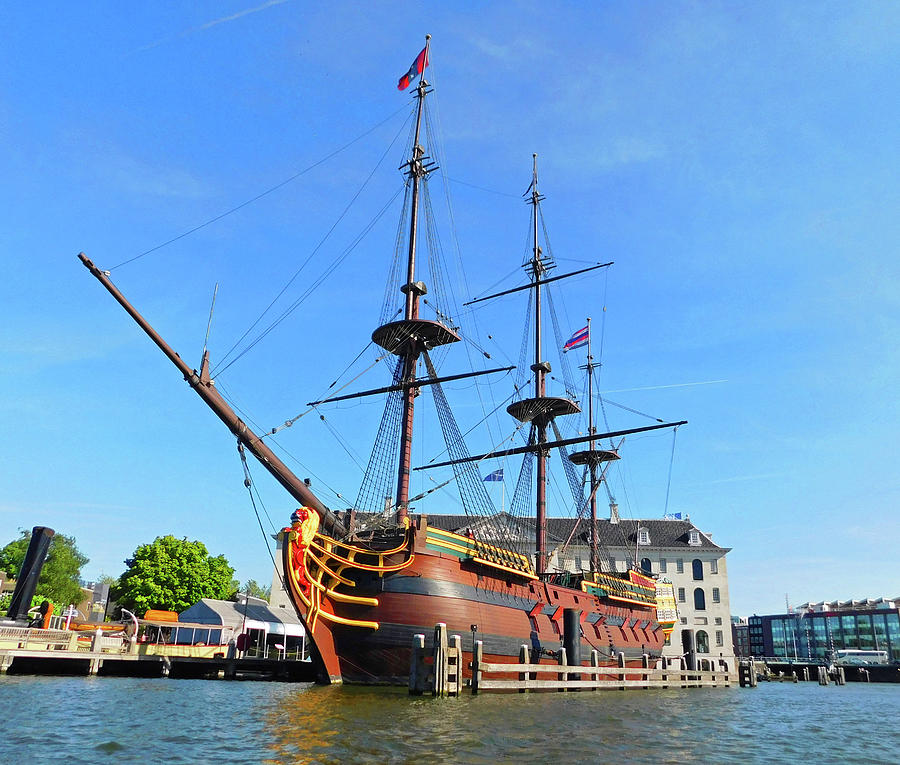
x=411 y=336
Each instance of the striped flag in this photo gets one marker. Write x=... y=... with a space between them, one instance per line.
x=577 y=340
x=497 y=475
x=418 y=66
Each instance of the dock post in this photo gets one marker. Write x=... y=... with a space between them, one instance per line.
x=622 y=670
x=562 y=677
x=595 y=662
x=806 y=674
x=417 y=666
x=823 y=675
x=454 y=666
x=440 y=660
x=645 y=664
x=477 y=658
x=841 y=677
x=524 y=676
x=572 y=640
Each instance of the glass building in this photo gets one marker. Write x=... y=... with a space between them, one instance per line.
x=816 y=632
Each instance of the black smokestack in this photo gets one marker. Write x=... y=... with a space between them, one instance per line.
x=27 y=582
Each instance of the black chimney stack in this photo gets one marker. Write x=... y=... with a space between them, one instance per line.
x=27 y=582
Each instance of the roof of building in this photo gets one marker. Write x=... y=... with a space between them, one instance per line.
x=662 y=532
x=228 y=613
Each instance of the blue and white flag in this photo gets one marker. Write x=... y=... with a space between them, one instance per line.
x=577 y=340
x=497 y=475
x=672 y=517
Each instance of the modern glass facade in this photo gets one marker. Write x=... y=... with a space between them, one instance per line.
x=818 y=635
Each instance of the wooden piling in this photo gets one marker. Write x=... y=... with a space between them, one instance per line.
x=417 y=672
x=440 y=660
x=562 y=676
x=477 y=658
x=524 y=677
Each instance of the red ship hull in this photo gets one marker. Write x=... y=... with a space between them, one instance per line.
x=371 y=642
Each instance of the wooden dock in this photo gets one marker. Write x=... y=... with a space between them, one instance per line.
x=59 y=652
x=438 y=671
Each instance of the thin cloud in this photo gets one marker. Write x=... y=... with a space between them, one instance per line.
x=210 y=24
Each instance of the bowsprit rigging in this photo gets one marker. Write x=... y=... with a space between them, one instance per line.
x=366 y=579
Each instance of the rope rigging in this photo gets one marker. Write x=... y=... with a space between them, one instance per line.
x=262 y=194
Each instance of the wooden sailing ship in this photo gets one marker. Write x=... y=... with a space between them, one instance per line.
x=366 y=582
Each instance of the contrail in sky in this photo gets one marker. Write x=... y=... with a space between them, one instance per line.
x=213 y=23
x=659 y=387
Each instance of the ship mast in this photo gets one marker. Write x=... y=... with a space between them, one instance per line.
x=409 y=337
x=542 y=409
x=540 y=369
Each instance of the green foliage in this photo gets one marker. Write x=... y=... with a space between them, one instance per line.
x=172 y=574
x=59 y=580
x=36 y=601
x=253 y=588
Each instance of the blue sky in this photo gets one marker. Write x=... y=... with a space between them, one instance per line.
x=737 y=161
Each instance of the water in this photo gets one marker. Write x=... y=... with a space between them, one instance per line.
x=96 y=720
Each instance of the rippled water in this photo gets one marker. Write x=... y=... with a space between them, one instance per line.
x=91 y=720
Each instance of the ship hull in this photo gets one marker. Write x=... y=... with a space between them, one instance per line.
x=372 y=641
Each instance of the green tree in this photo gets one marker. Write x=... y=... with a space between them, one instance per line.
x=255 y=589
x=172 y=574
x=59 y=580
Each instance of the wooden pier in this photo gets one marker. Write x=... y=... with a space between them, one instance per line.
x=438 y=671
x=60 y=652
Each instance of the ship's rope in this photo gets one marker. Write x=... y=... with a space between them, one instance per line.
x=560 y=339
x=309 y=257
x=475 y=499
x=396 y=276
x=379 y=477
x=669 y=479
x=265 y=193
x=251 y=488
x=313 y=286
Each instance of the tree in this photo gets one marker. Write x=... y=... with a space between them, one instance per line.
x=172 y=574
x=255 y=589
x=59 y=580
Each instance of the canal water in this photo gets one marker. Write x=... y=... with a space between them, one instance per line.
x=96 y=720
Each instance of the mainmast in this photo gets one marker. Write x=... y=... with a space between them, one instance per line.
x=542 y=409
x=409 y=337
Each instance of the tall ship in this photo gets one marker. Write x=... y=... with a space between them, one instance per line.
x=366 y=579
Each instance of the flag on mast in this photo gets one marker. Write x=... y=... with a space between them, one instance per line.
x=577 y=340
x=497 y=475
x=418 y=66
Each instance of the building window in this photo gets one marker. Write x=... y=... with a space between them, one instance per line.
x=679 y=565
x=718 y=620
x=646 y=566
x=643 y=536
x=720 y=638
x=578 y=563
x=715 y=594
x=662 y=566
x=681 y=597
x=702 y=641
x=684 y=620
x=694 y=538
x=714 y=566
x=697 y=566
x=699 y=599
